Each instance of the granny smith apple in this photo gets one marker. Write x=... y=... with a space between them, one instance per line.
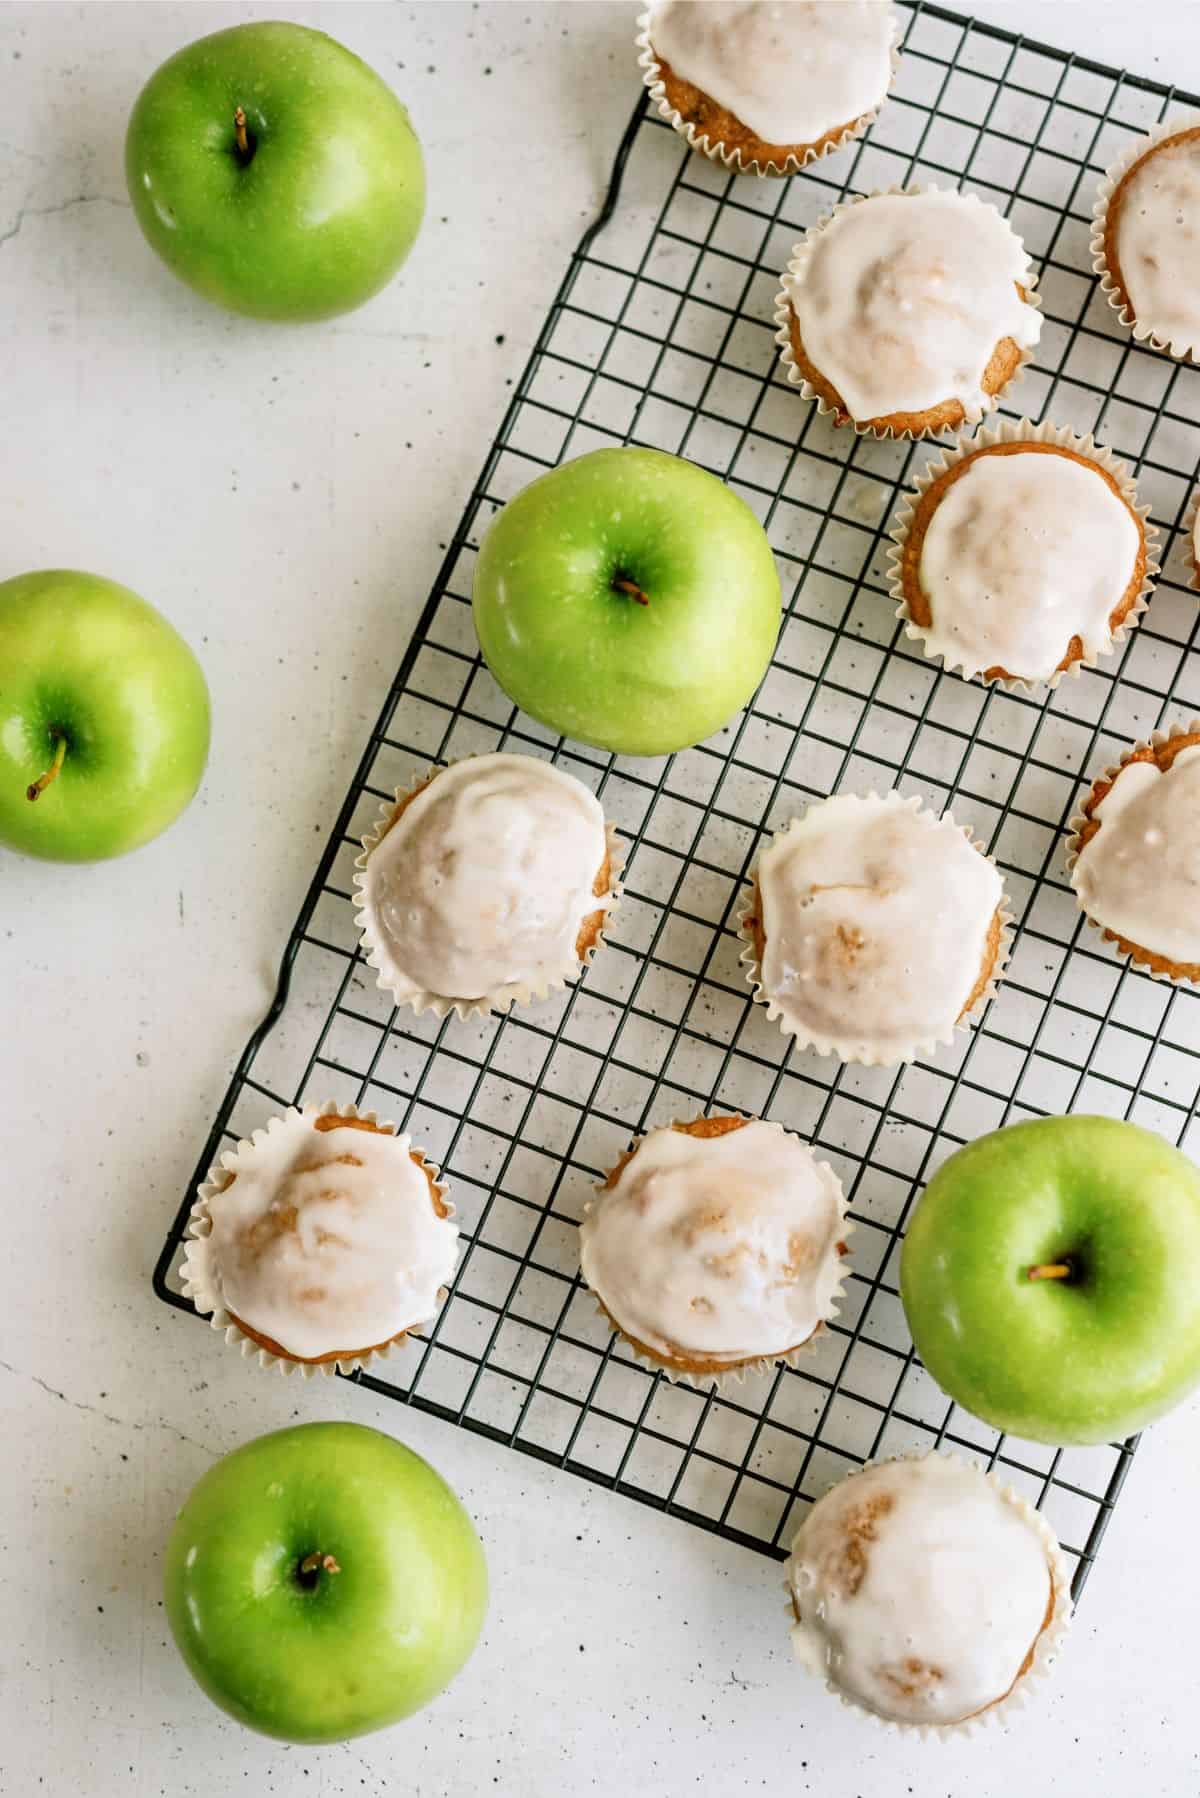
x=627 y=599
x=1051 y=1278
x=104 y=718
x=274 y=172
x=324 y=1581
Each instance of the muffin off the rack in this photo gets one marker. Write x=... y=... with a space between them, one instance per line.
x=926 y=1593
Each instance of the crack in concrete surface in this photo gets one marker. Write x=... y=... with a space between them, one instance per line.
x=41 y=212
x=124 y=1423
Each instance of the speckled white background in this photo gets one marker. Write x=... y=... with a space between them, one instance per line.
x=283 y=495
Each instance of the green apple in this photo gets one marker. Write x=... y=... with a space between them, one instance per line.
x=1051 y=1278
x=274 y=172
x=324 y=1581
x=628 y=599
x=103 y=718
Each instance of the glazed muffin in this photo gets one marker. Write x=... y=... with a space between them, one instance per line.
x=926 y=1592
x=1146 y=238
x=874 y=928
x=486 y=884
x=1134 y=855
x=322 y=1240
x=907 y=313
x=1022 y=555
x=715 y=1246
x=767 y=87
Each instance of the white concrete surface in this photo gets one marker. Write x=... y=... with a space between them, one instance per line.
x=283 y=495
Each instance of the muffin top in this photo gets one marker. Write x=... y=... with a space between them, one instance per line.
x=920 y=1590
x=482 y=886
x=902 y=299
x=716 y=1248
x=790 y=71
x=1138 y=874
x=879 y=924
x=329 y=1234
x=1152 y=240
x=1024 y=548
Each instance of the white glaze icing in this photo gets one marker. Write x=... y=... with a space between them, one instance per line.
x=480 y=887
x=902 y=299
x=1158 y=242
x=717 y=1248
x=790 y=71
x=876 y=919
x=1023 y=552
x=1139 y=874
x=921 y=1589
x=328 y=1239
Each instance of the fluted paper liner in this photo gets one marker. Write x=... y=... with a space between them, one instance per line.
x=1138 y=953
x=1046 y=1648
x=1142 y=329
x=201 y=1283
x=849 y=1051
x=734 y=159
x=783 y=316
x=377 y=954
x=728 y=1380
x=1191 y=526
x=1024 y=431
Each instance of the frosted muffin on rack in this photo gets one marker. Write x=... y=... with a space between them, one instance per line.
x=321 y=1241
x=907 y=313
x=874 y=928
x=1134 y=854
x=715 y=1246
x=1022 y=554
x=925 y=1592
x=1146 y=238
x=766 y=87
x=486 y=884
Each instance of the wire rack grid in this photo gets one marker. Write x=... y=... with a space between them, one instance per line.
x=661 y=334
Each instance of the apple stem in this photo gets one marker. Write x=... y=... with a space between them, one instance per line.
x=38 y=787
x=1052 y=1270
x=316 y=1563
x=621 y=585
x=239 y=135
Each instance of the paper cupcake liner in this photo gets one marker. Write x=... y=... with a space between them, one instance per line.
x=1046 y=1648
x=1191 y=528
x=848 y=1051
x=1142 y=330
x=729 y=1380
x=1138 y=955
x=200 y=1283
x=727 y=1383
x=734 y=159
x=783 y=334
x=1024 y=431
x=388 y=978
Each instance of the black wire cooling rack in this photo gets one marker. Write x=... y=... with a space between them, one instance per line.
x=661 y=334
